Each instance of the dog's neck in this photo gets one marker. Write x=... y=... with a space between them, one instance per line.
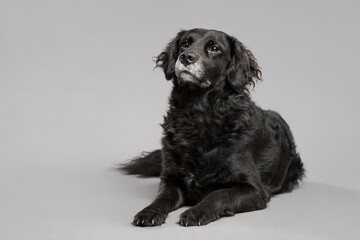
x=186 y=97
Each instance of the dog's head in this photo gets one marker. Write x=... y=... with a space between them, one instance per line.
x=204 y=58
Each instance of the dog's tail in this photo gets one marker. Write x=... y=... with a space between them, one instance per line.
x=146 y=165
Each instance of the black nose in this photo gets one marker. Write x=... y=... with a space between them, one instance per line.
x=187 y=58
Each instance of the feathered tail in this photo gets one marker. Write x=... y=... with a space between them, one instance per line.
x=146 y=165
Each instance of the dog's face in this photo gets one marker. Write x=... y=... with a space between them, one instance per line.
x=204 y=58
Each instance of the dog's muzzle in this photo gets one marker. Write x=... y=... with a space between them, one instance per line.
x=193 y=72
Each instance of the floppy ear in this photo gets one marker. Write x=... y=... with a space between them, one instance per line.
x=243 y=69
x=167 y=59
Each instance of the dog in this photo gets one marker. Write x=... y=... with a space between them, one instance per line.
x=221 y=153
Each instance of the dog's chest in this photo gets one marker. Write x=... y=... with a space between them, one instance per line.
x=195 y=138
x=195 y=130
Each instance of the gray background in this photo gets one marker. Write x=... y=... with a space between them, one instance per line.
x=78 y=94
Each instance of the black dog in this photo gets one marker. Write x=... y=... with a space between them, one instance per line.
x=221 y=153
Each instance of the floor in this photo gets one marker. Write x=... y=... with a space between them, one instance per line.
x=93 y=201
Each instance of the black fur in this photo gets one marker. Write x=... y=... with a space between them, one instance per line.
x=146 y=165
x=220 y=152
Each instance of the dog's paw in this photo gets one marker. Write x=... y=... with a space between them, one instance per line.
x=196 y=217
x=149 y=218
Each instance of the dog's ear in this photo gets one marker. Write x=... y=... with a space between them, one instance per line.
x=167 y=59
x=243 y=70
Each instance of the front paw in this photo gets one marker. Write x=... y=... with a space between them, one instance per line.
x=196 y=217
x=149 y=217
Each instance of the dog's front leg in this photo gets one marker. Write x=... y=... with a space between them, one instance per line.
x=225 y=202
x=168 y=199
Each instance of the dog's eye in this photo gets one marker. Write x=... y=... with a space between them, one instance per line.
x=185 y=44
x=214 y=49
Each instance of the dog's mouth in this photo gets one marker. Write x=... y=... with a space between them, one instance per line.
x=191 y=74
x=188 y=78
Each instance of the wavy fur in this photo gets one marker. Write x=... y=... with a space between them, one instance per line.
x=220 y=153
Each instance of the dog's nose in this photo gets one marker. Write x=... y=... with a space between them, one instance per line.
x=187 y=58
